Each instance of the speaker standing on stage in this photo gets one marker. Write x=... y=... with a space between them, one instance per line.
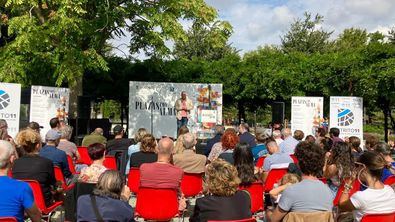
x=183 y=107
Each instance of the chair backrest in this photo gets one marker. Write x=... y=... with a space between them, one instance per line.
x=273 y=177
x=59 y=176
x=71 y=164
x=256 y=195
x=294 y=158
x=192 y=184
x=157 y=204
x=390 y=180
x=134 y=179
x=387 y=217
x=242 y=220
x=322 y=216
x=260 y=162
x=8 y=219
x=37 y=193
x=9 y=173
x=84 y=156
x=110 y=163
x=355 y=187
x=323 y=179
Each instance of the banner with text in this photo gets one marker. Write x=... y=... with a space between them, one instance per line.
x=46 y=103
x=151 y=104
x=346 y=113
x=10 y=104
x=306 y=114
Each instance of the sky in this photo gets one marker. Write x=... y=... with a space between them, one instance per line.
x=261 y=22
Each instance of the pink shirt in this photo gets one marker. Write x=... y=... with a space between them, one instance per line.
x=184 y=107
x=160 y=175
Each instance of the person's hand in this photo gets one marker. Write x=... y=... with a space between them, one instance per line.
x=125 y=194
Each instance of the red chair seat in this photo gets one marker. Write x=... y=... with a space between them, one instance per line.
x=84 y=156
x=256 y=194
x=110 y=162
x=390 y=180
x=191 y=184
x=260 y=162
x=355 y=187
x=387 y=217
x=273 y=177
x=59 y=177
x=134 y=179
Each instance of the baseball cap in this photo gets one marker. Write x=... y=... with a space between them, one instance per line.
x=117 y=129
x=34 y=126
x=52 y=135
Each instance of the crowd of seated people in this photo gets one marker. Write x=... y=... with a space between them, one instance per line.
x=230 y=166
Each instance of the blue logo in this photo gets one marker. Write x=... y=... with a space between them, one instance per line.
x=4 y=99
x=344 y=117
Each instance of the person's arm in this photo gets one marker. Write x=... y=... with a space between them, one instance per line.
x=276 y=191
x=177 y=105
x=34 y=213
x=345 y=204
x=276 y=215
x=264 y=176
x=65 y=166
x=329 y=171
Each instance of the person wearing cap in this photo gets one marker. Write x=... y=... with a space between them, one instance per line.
x=35 y=126
x=57 y=156
x=118 y=143
x=95 y=137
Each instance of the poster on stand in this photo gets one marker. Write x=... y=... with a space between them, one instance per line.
x=306 y=114
x=151 y=106
x=10 y=105
x=346 y=113
x=46 y=103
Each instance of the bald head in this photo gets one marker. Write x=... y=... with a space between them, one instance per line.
x=6 y=150
x=277 y=134
x=99 y=131
x=165 y=146
x=272 y=147
x=286 y=132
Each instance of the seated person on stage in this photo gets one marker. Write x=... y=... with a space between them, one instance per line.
x=95 y=137
x=57 y=156
x=135 y=147
x=223 y=200
x=289 y=143
x=310 y=195
x=91 y=174
x=162 y=174
x=276 y=159
x=147 y=152
x=188 y=160
x=16 y=196
x=118 y=143
x=110 y=198
x=31 y=166
x=377 y=198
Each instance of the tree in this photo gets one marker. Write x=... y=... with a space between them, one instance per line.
x=304 y=35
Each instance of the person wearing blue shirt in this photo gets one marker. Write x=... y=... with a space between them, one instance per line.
x=384 y=149
x=16 y=196
x=245 y=136
x=289 y=143
x=260 y=149
x=57 y=156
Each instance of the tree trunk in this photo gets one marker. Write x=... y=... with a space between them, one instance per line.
x=75 y=91
x=386 y=112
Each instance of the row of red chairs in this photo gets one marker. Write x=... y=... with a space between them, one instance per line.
x=261 y=160
x=110 y=162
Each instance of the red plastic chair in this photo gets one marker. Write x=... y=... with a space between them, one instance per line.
x=388 y=217
x=110 y=163
x=355 y=187
x=260 y=162
x=9 y=173
x=191 y=184
x=273 y=177
x=243 y=220
x=39 y=199
x=71 y=165
x=8 y=219
x=157 y=204
x=294 y=158
x=59 y=177
x=390 y=180
x=256 y=195
x=84 y=156
x=134 y=179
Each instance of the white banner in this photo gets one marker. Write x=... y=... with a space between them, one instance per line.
x=10 y=104
x=346 y=113
x=46 y=103
x=157 y=100
x=306 y=114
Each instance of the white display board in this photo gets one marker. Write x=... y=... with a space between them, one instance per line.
x=10 y=104
x=346 y=113
x=155 y=101
x=46 y=103
x=306 y=114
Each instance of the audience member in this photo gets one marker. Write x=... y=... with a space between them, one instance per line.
x=334 y=134
x=179 y=145
x=320 y=134
x=276 y=159
x=377 y=198
x=57 y=156
x=371 y=141
x=298 y=135
x=310 y=138
x=326 y=144
x=16 y=196
x=286 y=181
x=277 y=136
x=147 y=152
x=54 y=123
x=302 y=196
x=68 y=147
x=218 y=147
x=32 y=166
x=245 y=135
x=188 y=160
x=354 y=143
x=35 y=126
x=384 y=149
x=229 y=141
x=109 y=200
x=91 y=174
x=223 y=199
x=118 y=143
x=289 y=143
x=95 y=137
x=134 y=148
x=260 y=149
x=219 y=131
x=244 y=163
x=4 y=131
x=338 y=165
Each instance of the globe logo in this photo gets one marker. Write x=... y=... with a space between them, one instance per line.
x=4 y=99
x=344 y=117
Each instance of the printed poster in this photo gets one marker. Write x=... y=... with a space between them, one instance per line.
x=10 y=104
x=307 y=114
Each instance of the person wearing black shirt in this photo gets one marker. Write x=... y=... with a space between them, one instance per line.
x=147 y=152
x=118 y=143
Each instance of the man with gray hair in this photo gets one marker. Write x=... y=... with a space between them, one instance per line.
x=276 y=159
x=289 y=143
x=188 y=160
x=277 y=136
x=68 y=147
x=16 y=196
